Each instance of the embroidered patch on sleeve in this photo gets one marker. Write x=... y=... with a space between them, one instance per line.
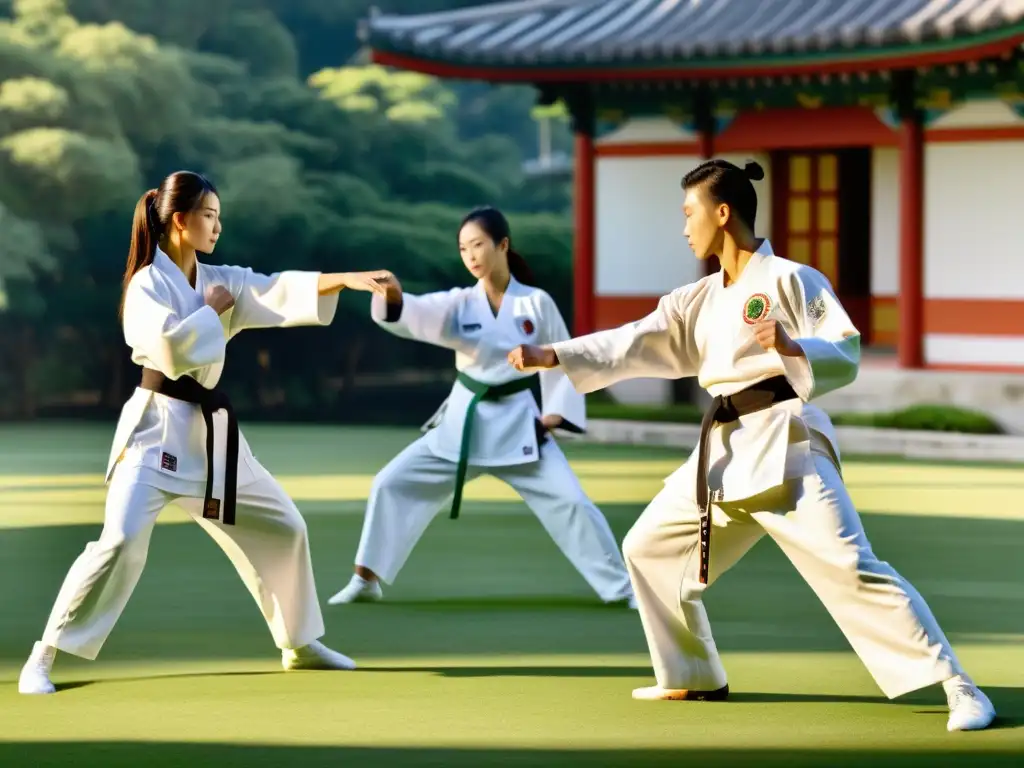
x=816 y=309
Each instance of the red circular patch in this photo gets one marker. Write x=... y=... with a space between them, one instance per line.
x=527 y=326
x=756 y=308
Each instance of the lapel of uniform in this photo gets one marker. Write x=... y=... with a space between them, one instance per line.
x=755 y=266
x=173 y=273
x=758 y=296
x=506 y=311
x=200 y=275
x=163 y=263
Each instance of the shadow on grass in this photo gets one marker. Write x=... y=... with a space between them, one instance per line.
x=504 y=603
x=74 y=684
x=159 y=754
x=1009 y=701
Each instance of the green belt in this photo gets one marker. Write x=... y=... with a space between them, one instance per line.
x=480 y=392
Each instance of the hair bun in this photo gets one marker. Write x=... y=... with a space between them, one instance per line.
x=753 y=170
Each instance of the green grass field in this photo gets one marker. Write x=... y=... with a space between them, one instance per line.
x=490 y=649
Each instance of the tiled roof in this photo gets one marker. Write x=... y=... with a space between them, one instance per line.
x=537 y=33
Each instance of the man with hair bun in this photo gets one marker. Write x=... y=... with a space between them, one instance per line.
x=764 y=335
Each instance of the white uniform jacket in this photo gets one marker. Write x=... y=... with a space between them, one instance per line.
x=461 y=319
x=170 y=329
x=705 y=329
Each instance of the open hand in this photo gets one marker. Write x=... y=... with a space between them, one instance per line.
x=771 y=335
x=527 y=356
x=377 y=281
x=218 y=297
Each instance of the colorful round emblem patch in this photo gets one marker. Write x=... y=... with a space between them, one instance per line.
x=527 y=326
x=757 y=308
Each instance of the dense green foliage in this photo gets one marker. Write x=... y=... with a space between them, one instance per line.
x=322 y=163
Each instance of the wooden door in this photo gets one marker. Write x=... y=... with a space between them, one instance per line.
x=821 y=217
x=809 y=209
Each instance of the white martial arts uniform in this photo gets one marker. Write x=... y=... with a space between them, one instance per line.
x=416 y=484
x=159 y=456
x=774 y=471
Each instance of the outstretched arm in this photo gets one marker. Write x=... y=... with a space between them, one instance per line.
x=291 y=298
x=655 y=347
x=375 y=282
x=426 y=318
x=825 y=355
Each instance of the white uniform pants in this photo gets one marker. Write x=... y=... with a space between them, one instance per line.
x=416 y=485
x=814 y=522
x=267 y=545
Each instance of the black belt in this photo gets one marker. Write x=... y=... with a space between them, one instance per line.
x=725 y=410
x=189 y=390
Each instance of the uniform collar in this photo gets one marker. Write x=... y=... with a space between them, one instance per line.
x=511 y=290
x=513 y=285
x=757 y=259
x=165 y=264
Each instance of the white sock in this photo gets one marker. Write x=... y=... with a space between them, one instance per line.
x=954 y=681
x=43 y=654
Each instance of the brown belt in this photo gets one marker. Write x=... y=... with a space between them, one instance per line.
x=725 y=410
x=189 y=390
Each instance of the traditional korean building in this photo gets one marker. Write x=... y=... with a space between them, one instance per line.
x=891 y=132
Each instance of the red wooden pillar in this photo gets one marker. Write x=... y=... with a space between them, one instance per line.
x=910 y=344
x=583 y=256
x=706 y=143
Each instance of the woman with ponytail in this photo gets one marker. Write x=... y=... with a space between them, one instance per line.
x=490 y=423
x=178 y=440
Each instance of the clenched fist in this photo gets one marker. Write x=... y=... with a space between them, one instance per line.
x=526 y=357
x=217 y=296
x=771 y=335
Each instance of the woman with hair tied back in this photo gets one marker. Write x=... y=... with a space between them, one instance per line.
x=178 y=440
x=764 y=336
x=489 y=424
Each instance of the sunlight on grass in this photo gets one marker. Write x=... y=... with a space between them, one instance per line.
x=878 y=488
x=550 y=704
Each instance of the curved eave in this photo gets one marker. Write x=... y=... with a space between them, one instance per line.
x=999 y=43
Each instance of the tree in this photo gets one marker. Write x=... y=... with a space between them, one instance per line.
x=352 y=167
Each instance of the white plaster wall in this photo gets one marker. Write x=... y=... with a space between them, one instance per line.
x=985 y=113
x=640 y=248
x=973 y=210
x=951 y=349
x=885 y=221
x=647 y=130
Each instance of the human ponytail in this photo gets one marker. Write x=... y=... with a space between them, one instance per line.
x=494 y=223
x=182 y=192
x=519 y=269
x=143 y=244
